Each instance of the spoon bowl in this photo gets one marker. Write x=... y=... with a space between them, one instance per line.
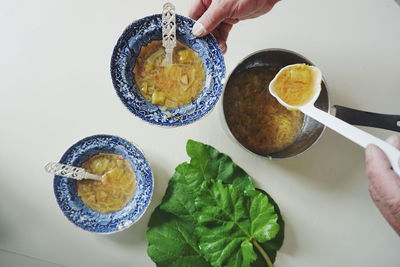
x=315 y=85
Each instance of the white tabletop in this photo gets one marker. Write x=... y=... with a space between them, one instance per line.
x=56 y=89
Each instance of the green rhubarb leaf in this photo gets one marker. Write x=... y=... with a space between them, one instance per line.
x=181 y=192
x=211 y=214
x=217 y=166
x=231 y=225
x=172 y=243
x=273 y=245
x=189 y=179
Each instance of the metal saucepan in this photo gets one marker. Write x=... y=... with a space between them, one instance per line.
x=311 y=129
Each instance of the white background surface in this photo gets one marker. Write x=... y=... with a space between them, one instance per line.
x=56 y=88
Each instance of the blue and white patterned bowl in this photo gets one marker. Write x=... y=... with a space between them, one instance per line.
x=148 y=29
x=83 y=216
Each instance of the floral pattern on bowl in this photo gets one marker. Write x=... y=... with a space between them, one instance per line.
x=148 y=29
x=83 y=216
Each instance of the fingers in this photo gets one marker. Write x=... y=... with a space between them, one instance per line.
x=212 y=17
x=384 y=184
x=383 y=180
x=197 y=8
x=390 y=209
x=221 y=34
x=394 y=140
x=376 y=161
x=263 y=8
x=231 y=21
x=219 y=16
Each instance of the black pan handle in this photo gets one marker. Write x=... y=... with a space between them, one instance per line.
x=365 y=118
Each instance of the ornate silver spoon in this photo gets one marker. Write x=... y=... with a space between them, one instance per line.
x=168 y=30
x=70 y=171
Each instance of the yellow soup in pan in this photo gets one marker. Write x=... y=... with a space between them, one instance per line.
x=116 y=188
x=256 y=119
x=169 y=85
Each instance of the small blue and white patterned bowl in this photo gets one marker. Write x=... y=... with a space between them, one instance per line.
x=148 y=29
x=83 y=216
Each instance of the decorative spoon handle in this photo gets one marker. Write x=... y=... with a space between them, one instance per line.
x=168 y=30
x=70 y=171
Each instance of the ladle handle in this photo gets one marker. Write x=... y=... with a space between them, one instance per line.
x=370 y=119
x=354 y=134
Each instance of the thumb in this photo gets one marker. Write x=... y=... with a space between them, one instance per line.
x=212 y=17
x=394 y=140
x=377 y=164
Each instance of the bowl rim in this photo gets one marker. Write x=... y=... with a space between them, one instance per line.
x=222 y=113
x=178 y=119
x=134 y=146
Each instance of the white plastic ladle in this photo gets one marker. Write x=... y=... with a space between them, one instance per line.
x=347 y=130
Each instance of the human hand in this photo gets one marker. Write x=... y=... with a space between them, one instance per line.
x=384 y=183
x=218 y=16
